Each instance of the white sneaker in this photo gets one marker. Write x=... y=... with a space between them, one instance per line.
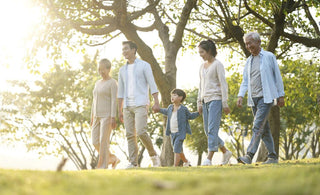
x=156 y=161
x=226 y=157
x=132 y=166
x=206 y=162
x=187 y=164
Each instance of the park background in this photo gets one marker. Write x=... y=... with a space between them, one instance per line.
x=49 y=55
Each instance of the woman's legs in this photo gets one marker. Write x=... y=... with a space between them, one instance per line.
x=105 y=131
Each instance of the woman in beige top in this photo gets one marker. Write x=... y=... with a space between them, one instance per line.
x=212 y=98
x=103 y=113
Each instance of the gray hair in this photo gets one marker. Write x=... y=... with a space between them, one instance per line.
x=255 y=36
x=106 y=63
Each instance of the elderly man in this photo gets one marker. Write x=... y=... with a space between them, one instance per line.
x=262 y=80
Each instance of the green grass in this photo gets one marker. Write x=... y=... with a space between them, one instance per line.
x=289 y=177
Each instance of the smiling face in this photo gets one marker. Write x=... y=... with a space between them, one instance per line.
x=128 y=52
x=204 y=54
x=252 y=45
x=103 y=71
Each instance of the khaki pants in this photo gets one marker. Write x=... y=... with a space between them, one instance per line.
x=101 y=130
x=135 y=122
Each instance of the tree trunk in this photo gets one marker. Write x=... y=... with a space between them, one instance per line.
x=274 y=121
x=167 y=156
x=199 y=158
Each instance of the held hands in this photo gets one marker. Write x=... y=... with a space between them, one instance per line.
x=156 y=108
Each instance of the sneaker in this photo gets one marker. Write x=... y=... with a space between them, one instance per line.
x=156 y=161
x=271 y=161
x=206 y=162
x=132 y=166
x=115 y=163
x=245 y=159
x=187 y=164
x=226 y=157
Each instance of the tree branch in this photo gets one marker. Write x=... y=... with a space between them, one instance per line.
x=303 y=40
x=264 y=20
x=309 y=16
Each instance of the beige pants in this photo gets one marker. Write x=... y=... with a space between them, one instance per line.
x=135 y=122
x=101 y=130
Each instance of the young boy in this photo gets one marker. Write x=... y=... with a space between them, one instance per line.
x=178 y=125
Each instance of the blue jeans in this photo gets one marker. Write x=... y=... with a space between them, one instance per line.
x=211 y=119
x=261 y=128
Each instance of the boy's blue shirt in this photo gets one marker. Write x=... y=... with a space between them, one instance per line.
x=183 y=115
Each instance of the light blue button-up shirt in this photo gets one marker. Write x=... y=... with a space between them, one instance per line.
x=143 y=81
x=272 y=85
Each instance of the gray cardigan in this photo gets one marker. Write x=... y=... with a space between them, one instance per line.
x=183 y=116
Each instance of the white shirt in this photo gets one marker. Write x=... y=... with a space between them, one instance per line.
x=131 y=85
x=174 y=122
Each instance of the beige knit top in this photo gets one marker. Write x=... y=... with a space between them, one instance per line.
x=105 y=98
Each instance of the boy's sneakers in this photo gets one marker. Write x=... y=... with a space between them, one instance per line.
x=132 y=166
x=245 y=159
x=156 y=161
x=271 y=161
x=206 y=162
x=187 y=164
x=226 y=157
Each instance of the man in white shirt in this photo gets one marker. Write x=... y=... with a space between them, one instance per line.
x=135 y=79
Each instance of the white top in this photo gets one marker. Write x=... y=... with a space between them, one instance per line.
x=131 y=85
x=174 y=123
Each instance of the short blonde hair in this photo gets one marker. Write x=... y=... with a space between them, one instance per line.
x=105 y=62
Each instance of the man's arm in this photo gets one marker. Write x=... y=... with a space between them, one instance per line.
x=120 y=106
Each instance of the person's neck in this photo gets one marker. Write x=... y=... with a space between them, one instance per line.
x=106 y=78
x=131 y=60
x=255 y=54
x=176 y=105
x=210 y=60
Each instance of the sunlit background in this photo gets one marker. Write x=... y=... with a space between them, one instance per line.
x=19 y=20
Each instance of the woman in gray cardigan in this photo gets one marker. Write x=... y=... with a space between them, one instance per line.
x=178 y=124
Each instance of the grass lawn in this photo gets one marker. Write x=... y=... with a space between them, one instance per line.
x=288 y=177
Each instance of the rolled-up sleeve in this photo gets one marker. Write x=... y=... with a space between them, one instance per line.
x=277 y=77
x=120 y=84
x=244 y=84
x=150 y=79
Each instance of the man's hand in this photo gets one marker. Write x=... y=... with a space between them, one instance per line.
x=200 y=109
x=280 y=101
x=113 y=123
x=121 y=116
x=239 y=101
